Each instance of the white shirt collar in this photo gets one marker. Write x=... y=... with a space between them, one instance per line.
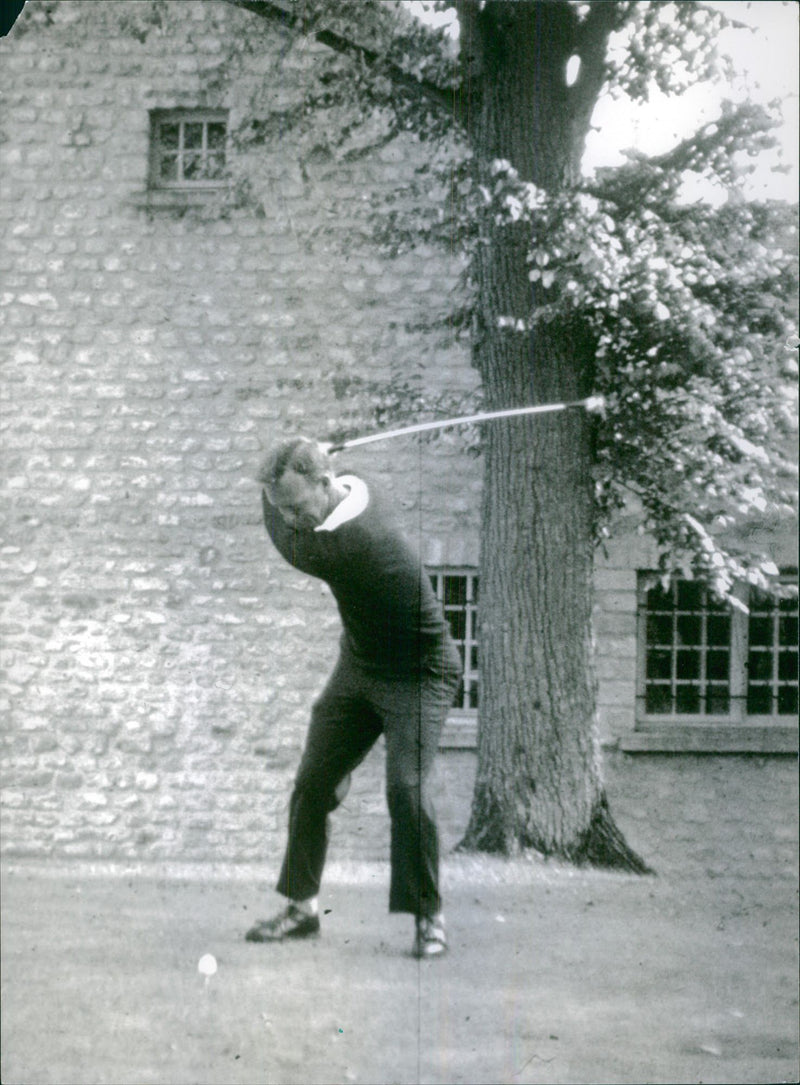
x=349 y=507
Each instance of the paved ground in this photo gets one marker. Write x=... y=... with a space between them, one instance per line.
x=554 y=976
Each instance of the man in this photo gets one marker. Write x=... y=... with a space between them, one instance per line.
x=397 y=673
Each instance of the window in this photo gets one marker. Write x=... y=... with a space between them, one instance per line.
x=457 y=590
x=187 y=148
x=772 y=657
x=701 y=659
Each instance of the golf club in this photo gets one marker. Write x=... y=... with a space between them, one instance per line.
x=593 y=404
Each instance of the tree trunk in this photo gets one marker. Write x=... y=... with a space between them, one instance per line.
x=539 y=781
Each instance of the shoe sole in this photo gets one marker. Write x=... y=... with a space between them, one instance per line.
x=256 y=935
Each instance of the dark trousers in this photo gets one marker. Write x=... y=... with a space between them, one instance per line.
x=353 y=710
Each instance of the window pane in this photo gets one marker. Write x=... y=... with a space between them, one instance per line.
x=760 y=666
x=659 y=664
x=718 y=665
x=168 y=168
x=192 y=167
x=455 y=591
x=475 y=589
x=658 y=698
x=690 y=595
x=215 y=166
x=473 y=696
x=787 y=700
x=759 y=700
x=718 y=630
x=216 y=136
x=688 y=665
x=689 y=629
x=458 y=623
x=458 y=700
x=659 y=599
x=687 y=699
x=760 y=631
x=193 y=135
x=760 y=601
x=787 y=631
x=168 y=136
x=473 y=657
x=659 y=629
x=718 y=700
x=787 y=666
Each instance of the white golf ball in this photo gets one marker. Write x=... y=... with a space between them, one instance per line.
x=207 y=965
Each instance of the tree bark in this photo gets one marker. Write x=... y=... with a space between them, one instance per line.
x=539 y=780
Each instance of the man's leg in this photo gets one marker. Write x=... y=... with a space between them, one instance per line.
x=343 y=729
x=413 y=714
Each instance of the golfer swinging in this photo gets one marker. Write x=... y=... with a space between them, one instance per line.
x=397 y=673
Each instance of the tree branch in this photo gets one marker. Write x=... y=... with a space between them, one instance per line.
x=591 y=45
x=629 y=184
x=730 y=21
x=274 y=11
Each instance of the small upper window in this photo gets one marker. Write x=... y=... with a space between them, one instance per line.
x=187 y=148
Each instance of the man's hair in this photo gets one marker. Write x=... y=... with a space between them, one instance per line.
x=297 y=454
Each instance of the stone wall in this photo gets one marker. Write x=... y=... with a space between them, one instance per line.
x=615 y=631
x=729 y=813
x=160 y=658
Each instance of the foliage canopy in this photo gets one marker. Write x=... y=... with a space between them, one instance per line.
x=686 y=307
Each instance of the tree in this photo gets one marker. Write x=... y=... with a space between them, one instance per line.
x=612 y=286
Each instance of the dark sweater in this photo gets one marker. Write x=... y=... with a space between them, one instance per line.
x=393 y=623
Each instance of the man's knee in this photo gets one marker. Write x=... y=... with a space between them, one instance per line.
x=313 y=789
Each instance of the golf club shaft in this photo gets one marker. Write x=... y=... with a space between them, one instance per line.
x=593 y=402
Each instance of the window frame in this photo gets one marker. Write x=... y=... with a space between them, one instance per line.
x=182 y=117
x=774 y=718
x=471 y=676
x=739 y=650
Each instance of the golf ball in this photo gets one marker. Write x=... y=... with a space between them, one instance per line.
x=207 y=965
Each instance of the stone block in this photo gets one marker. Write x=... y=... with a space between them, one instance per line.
x=146 y=781
x=68 y=780
x=621 y=668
